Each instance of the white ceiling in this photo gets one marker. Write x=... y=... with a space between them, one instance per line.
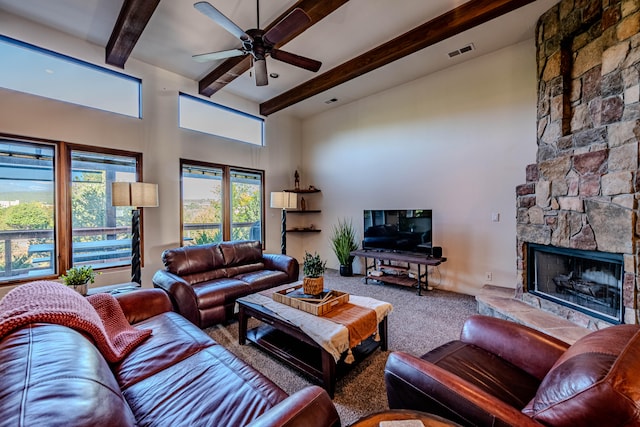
x=177 y=31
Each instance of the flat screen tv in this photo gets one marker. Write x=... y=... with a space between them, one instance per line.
x=407 y=230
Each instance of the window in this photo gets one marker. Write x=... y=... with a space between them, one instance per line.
x=46 y=225
x=221 y=203
x=208 y=117
x=101 y=232
x=27 y=214
x=31 y=69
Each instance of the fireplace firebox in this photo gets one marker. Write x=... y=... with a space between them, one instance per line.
x=588 y=281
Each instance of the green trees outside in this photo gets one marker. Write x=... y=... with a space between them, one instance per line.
x=245 y=208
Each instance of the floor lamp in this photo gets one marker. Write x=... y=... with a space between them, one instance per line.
x=139 y=195
x=283 y=200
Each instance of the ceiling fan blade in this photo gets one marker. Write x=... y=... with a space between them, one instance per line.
x=206 y=9
x=223 y=54
x=297 y=60
x=296 y=21
x=260 y=68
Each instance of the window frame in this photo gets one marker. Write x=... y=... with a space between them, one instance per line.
x=226 y=196
x=63 y=231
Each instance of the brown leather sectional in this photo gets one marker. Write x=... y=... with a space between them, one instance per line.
x=204 y=281
x=54 y=376
x=500 y=373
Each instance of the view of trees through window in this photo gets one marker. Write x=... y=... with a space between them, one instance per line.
x=210 y=194
x=99 y=234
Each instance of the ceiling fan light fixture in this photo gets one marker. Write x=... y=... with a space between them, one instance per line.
x=260 y=67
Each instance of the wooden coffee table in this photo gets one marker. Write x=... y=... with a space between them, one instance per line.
x=288 y=343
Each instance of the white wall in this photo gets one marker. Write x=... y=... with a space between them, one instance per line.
x=157 y=136
x=456 y=142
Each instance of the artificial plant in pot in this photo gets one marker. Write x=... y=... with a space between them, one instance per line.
x=79 y=277
x=313 y=268
x=343 y=242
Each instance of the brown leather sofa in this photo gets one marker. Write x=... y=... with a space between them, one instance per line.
x=54 y=376
x=500 y=373
x=204 y=281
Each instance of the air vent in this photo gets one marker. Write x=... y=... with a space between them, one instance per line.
x=464 y=49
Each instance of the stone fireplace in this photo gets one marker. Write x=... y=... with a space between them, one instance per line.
x=581 y=194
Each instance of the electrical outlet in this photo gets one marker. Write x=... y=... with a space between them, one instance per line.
x=488 y=276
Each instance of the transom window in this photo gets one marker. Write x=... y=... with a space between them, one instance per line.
x=215 y=119
x=221 y=203
x=31 y=69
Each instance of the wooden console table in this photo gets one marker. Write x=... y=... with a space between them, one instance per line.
x=408 y=258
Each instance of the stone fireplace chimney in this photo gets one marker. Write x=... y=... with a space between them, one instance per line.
x=582 y=193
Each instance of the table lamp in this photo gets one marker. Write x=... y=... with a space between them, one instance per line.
x=139 y=195
x=283 y=200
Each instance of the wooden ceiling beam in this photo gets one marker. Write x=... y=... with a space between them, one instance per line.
x=231 y=68
x=462 y=18
x=133 y=18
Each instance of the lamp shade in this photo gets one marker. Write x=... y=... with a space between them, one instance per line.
x=137 y=194
x=283 y=200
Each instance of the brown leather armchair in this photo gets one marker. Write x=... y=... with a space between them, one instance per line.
x=500 y=373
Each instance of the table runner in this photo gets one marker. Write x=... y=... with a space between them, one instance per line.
x=331 y=336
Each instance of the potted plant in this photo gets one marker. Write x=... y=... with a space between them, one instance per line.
x=313 y=268
x=343 y=242
x=79 y=278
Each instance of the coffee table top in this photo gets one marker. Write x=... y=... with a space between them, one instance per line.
x=331 y=336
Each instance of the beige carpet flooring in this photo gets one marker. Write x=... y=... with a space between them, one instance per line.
x=416 y=325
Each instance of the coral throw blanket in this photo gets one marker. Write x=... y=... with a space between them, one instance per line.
x=100 y=316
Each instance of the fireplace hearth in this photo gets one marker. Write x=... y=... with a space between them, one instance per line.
x=588 y=281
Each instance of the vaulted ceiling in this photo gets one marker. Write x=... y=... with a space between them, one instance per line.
x=365 y=46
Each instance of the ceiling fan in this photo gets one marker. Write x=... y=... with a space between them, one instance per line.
x=259 y=43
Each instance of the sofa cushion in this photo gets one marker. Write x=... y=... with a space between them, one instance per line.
x=174 y=338
x=205 y=276
x=244 y=268
x=219 y=292
x=209 y=388
x=485 y=370
x=53 y=376
x=263 y=279
x=241 y=252
x=193 y=259
x=594 y=383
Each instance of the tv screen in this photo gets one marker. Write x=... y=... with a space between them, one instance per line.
x=406 y=230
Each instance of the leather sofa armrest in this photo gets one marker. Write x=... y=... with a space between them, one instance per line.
x=143 y=304
x=507 y=339
x=283 y=263
x=310 y=406
x=413 y=383
x=181 y=293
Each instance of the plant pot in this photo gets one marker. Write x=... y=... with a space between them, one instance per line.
x=346 y=270
x=313 y=285
x=81 y=289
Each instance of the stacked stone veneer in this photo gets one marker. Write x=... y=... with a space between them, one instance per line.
x=583 y=191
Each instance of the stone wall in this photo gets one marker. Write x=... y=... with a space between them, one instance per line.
x=583 y=190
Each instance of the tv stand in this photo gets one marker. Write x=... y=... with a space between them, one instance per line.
x=404 y=257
